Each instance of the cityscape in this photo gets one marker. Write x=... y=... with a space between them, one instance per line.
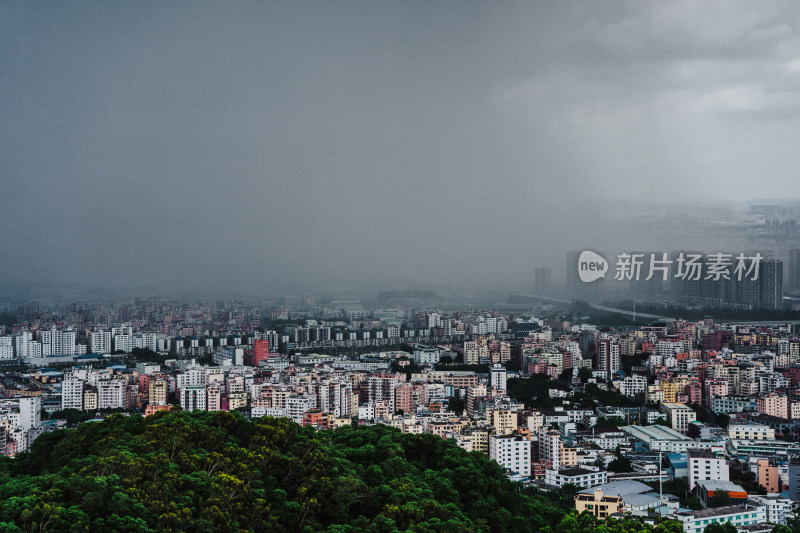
x=359 y=267
x=562 y=396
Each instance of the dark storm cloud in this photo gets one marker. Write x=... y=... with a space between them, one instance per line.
x=236 y=145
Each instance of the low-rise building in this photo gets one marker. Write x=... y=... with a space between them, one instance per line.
x=710 y=492
x=580 y=477
x=598 y=504
x=750 y=432
x=679 y=416
x=777 y=508
x=737 y=515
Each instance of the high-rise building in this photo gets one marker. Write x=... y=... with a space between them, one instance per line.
x=794 y=269
x=145 y=340
x=573 y=281
x=542 y=280
x=553 y=451
x=260 y=351
x=771 y=286
x=100 y=342
x=157 y=394
x=123 y=343
x=193 y=398
x=72 y=393
x=704 y=465
x=56 y=342
x=23 y=341
x=608 y=358
x=498 y=377
x=112 y=394
x=382 y=386
x=30 y=410
x=512 y=452
x=764 y=292
x=6 y=347
x=794 y=479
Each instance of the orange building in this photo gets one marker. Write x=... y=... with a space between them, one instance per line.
x=773 y=405
x=768 y=476
x=318 y=419
x=150 y=409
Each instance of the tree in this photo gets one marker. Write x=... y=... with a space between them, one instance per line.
x=145 y=355
x=721 y=498
x=694 y=503
x=727 y=527
x=456 y=404
x=612 y=421
x=205 y=360
x=793 y=520
x=203 y=471
x=568 y=524
x=620 y=464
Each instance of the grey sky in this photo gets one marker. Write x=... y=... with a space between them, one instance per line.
x=228 y=143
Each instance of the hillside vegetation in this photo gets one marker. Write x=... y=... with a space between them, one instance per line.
x=201 y=471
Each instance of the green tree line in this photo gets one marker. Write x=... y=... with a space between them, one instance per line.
x=208 y=472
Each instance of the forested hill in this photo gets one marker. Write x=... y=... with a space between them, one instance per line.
x=201 y=471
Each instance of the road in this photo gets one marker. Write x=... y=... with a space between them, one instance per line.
x=628 y=312
x=792 y=323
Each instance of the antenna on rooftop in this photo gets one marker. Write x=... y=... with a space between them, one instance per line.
x=660 y=481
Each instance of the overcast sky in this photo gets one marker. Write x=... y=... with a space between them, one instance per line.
x=284 y=145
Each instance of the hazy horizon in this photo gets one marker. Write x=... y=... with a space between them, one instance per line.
x=270 y=148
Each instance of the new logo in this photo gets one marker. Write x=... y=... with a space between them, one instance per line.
x=591 y=266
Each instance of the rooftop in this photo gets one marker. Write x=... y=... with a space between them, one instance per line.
x=655 y=432
x=620 y=488
x=719 y=511
x=705 y=454
x=669 y=405
x=642 y=500
x=716 y=484
x=575 y=472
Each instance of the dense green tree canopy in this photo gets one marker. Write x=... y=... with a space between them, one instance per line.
x=207 y=472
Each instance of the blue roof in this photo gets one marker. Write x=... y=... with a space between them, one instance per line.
x=90 y=357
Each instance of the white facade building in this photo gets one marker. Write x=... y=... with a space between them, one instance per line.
x=498 y=377
x=100 y=342
x=512 y=452
x=704 y=466
x=580 y=477
x=193 y=398
x=72 y=393
x=736 y=515
x=633 y=386
x=112 y=394
x=6 y=347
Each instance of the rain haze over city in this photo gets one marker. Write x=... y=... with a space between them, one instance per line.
x=269 y=148
x=381 y=266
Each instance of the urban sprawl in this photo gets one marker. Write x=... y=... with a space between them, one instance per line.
x=696 y=421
